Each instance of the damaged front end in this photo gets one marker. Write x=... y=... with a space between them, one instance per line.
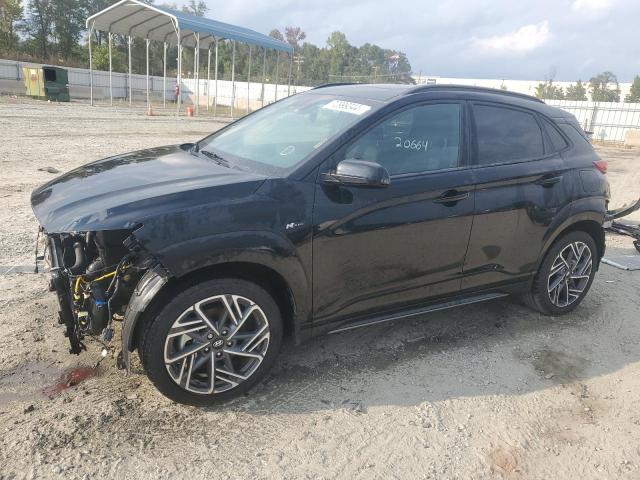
x=94 y=275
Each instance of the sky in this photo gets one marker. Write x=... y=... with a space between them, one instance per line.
x=511 y=39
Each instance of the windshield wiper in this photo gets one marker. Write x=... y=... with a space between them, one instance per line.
x=216 y=158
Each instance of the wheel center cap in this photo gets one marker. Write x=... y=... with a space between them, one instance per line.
x=217 y=343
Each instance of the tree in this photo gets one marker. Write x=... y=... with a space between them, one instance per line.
x=68 y=17
x=294 y=36
x=10 y=14
x=576 y=92
x=101 y=59
x=339 y=54
x=634 y=93
x=198 y=8
x=39 y=24
x=277 y=34
x=549 y=91
x=604 y=88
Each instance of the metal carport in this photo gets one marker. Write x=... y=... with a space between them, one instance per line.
x=137 y=19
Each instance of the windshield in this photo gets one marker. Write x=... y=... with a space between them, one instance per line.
x=276 y=139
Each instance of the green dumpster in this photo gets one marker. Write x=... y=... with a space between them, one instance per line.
x=46 y=82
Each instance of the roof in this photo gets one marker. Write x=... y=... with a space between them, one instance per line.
x=142 y=20
x=387 y=92
x=470 y=88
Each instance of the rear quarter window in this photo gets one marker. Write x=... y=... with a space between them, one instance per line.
x=557 y=140
x=506 y=135
x=578 y=138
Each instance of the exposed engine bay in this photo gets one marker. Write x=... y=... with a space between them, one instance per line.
x=93 y=275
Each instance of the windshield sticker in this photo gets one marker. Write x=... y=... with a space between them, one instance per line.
x=288 y=150
x=348 y=107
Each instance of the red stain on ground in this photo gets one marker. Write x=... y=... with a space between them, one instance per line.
x=70 y=378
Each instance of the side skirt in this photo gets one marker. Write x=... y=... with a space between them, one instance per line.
x=420 y=311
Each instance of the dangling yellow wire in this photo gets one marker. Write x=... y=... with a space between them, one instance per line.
x=80 y=279
x=76 y=289
x=106 y=275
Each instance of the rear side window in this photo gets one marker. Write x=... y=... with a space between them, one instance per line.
x=505 y=135
x=557 y=140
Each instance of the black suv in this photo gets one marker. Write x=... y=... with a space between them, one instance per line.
x=344 y=206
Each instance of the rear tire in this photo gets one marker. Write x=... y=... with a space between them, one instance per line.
x=565 y=275
x=212 y=342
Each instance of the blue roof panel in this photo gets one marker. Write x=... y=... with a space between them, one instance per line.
x=139 y=19
x=187 y=21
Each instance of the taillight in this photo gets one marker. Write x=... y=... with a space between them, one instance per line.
x=601 y=165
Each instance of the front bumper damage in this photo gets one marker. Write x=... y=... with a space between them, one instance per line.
x=100 y=278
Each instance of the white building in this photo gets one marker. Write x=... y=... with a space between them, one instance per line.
x=520 y=86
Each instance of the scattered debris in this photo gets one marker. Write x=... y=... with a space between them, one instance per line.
x=49 y=170
x=623 y=228
x=624 y=262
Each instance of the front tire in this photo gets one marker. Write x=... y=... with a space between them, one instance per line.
x=212 y=342
x=565 y=275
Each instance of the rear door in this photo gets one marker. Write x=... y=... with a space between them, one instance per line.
x=520 y=186
x=378 y=249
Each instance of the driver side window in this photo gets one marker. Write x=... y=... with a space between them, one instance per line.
x=418 y=139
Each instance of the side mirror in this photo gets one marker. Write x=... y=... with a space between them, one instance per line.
x=358 y=173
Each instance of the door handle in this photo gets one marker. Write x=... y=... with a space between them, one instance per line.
x=549 y=180
x=451 y=197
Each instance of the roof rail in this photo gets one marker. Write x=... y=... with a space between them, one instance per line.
x=424 y=88
x=339 y=84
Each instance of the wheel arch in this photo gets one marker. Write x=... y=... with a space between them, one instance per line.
x=152 y=292
x=588 y=222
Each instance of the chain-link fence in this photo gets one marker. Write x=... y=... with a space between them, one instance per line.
x=222 y=98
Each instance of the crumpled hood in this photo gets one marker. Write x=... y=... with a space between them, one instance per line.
x=120 y=192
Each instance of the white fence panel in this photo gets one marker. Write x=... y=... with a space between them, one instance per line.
x=609 y=121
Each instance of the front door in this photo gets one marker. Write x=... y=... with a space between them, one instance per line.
x=376 y=249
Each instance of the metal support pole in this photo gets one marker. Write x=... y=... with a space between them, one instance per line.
x=233 y=76
x=129 y=44
x=196 y=71
x=215 y=92
x=179 y=79
x=148 y=73
x=290 y=66
x=208 y=76
x=90 y=67
x=264 y=74
x=164 y=76
x=277 y=65
x=110 y=69
x=249 y=81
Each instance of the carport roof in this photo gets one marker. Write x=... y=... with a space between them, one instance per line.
x=142 y=20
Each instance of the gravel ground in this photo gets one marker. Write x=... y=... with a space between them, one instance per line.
x=489 y=391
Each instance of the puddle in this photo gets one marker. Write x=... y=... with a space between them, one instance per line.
x=559 y=366
x=68 y=379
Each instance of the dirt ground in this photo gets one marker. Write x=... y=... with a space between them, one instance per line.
x=488 y=391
